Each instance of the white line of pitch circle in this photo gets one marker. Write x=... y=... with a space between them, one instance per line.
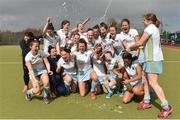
x=10 y=63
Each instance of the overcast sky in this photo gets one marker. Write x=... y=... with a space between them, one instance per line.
x=16 y=15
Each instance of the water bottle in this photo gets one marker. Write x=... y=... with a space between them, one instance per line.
x=116 y=65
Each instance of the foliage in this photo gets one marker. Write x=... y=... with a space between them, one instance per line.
x=12 y=38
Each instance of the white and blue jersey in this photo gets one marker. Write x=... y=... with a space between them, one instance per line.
x=37 y=62
x=63 y=38
x=132 y=72
x=110 y=66
x=153 y=55
x=83 y=35
x=152 y=49
x=129 y=38
x=90 y=44
x=69 y=67
x=117 y=44
x=107 y=43
x=48 y=40
x=84 y=65
x=99 y=68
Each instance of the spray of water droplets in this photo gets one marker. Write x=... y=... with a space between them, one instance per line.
x=109 y=107
x=73 y=11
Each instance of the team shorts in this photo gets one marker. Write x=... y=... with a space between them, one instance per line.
x=153 y=67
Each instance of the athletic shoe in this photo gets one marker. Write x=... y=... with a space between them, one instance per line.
x=93 y=96
x=46 y=100
x=143 y=106
x=165 y=113
x=28 y=97
x=109 y=95
x=25 y=88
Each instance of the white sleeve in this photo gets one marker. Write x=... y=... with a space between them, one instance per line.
x=120 y=37
x=148 y=30
x=43 y=54
x=27 y=58
x=135 y=33
x=90 y=52
x=59 y=62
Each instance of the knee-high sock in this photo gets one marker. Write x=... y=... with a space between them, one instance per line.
x=67 y=85
x=46 y=92
x=165 y=105
x=147 y=99
x=93 y=86
x=106 y=84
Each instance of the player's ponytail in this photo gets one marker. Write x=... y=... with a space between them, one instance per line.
x=152 y=17
x=157 y=23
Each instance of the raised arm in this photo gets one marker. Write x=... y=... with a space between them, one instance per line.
x=58 y=48
x=45 y=27
x=82 y=22
x=85 y=21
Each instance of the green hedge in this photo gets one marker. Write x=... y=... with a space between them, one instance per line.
x=9 y=42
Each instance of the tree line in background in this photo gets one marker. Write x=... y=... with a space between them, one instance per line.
x=13 y=38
